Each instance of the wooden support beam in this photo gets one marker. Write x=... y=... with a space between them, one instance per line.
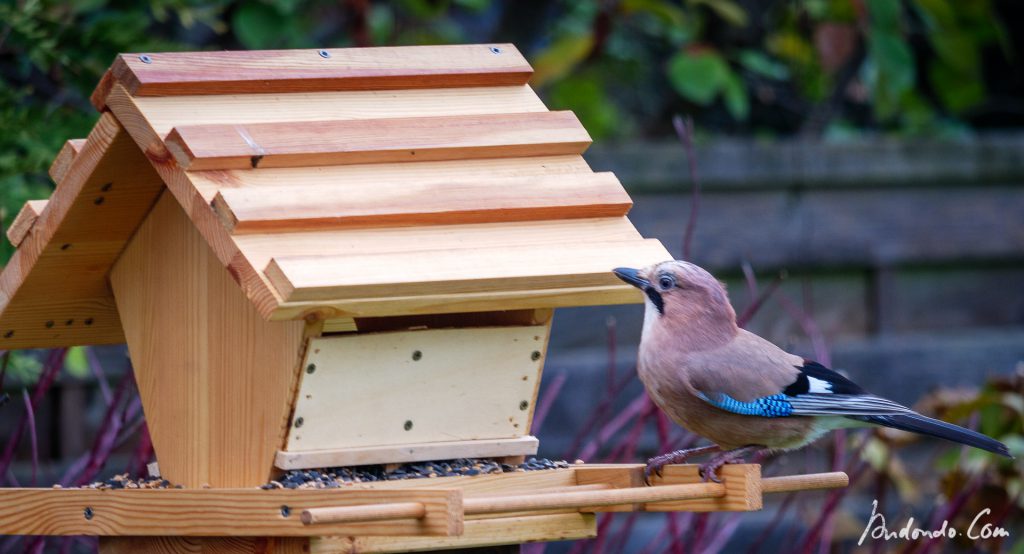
x=313 y=143
x=809 y=482
x=440 y=202
x=477 y=533
x=218 y=512
x=62 y=163
x=457 y=271
x=306 y=70
x=216 y=380
x=402 y=453
x=23 y=222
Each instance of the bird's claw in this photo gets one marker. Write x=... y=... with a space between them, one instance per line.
x=654 y=466
x=709 y=472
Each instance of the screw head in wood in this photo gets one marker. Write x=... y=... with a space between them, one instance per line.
x=145 y=59
x=535 y=355
x=87 y=512
x=286 y=511
x=524 y=405
x=416 y=355
x=495 y=50
x=298 y=422
x=408 y=425
x=310 y=368
x=324 y=53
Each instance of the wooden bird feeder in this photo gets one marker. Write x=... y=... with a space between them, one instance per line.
x=332 y=258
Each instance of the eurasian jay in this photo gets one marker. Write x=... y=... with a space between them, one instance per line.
x=740 y=391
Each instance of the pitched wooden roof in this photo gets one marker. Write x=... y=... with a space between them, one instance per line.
x=330 y=183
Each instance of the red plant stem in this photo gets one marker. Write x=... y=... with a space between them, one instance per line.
x=547 y=400
x=54 y=362
x=776 y=519
x=30 y=416
x=97 y=371
x=610 y=327
x=109 y=430
x=684 y=130
x=598 y=414
x=637 y=406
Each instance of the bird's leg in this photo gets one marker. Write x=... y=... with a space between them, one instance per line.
x=655 y=464
x=709 y=470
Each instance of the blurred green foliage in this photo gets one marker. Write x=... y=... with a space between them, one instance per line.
x=814 y=67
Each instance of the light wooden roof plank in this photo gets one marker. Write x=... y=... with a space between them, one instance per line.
x=291 y=144
x=428 y=202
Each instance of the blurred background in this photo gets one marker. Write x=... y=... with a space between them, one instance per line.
x=860 y=167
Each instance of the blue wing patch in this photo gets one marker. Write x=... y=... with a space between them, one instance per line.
x=775 y=405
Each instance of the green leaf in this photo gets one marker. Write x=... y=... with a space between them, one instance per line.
x=474 y=5
x=889 y=71
x=560 y=58
x=668 y=13
x=735 y=95
x=587 y=96
x=761 y=64
x=698 y=77
x=728 y=10
x=75 y=362
x=885 y=14
x=257 y=26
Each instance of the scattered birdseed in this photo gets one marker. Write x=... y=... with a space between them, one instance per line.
x=125 y=481
x=330 y=478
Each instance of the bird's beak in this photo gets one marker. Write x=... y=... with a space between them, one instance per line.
x=631 y=276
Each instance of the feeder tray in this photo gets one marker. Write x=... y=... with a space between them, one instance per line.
x=329 y=258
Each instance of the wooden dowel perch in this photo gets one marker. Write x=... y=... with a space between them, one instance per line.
x=813 y=481
x=371 y=512
x=522 y=502
x=580 y=497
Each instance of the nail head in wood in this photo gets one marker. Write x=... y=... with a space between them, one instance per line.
x=298 y=422
x=524 y=405
x=310 y=368
x=145 y=59
x=408 y=425
x=535 y=356
x=324 y=53
x=495 y=50
x=286 y=511
x=87 y=512
x=417 y=355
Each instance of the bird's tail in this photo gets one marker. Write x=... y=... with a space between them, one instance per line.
x=917 y=423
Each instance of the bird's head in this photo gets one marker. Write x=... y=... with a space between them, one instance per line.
x=681 y=294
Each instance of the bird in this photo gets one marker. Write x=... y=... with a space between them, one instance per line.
x=738 y=390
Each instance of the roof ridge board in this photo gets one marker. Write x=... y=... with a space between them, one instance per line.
x=353 y=141
x=377 y=68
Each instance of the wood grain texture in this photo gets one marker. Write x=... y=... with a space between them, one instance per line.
x=209 y=183
x=54 y=291
x=214 y=377
x=62 y=163
x=312 y=143
x=427 y=386
x=201 y=545
x=451 y=201
x=214 y=512
x=742 y=485
x=23 y=222
x=402 y=453
x=167 y=112
x=457 y=271
x=186 y=73
x=477 y=533
x=247 y=255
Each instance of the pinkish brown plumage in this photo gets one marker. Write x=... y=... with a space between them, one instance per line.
x=740 y=391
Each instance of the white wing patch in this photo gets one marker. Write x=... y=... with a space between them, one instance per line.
x=819 y=385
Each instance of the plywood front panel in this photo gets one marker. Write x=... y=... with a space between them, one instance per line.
x=410 y=387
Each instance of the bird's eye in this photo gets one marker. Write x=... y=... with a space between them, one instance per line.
x=666 y=282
